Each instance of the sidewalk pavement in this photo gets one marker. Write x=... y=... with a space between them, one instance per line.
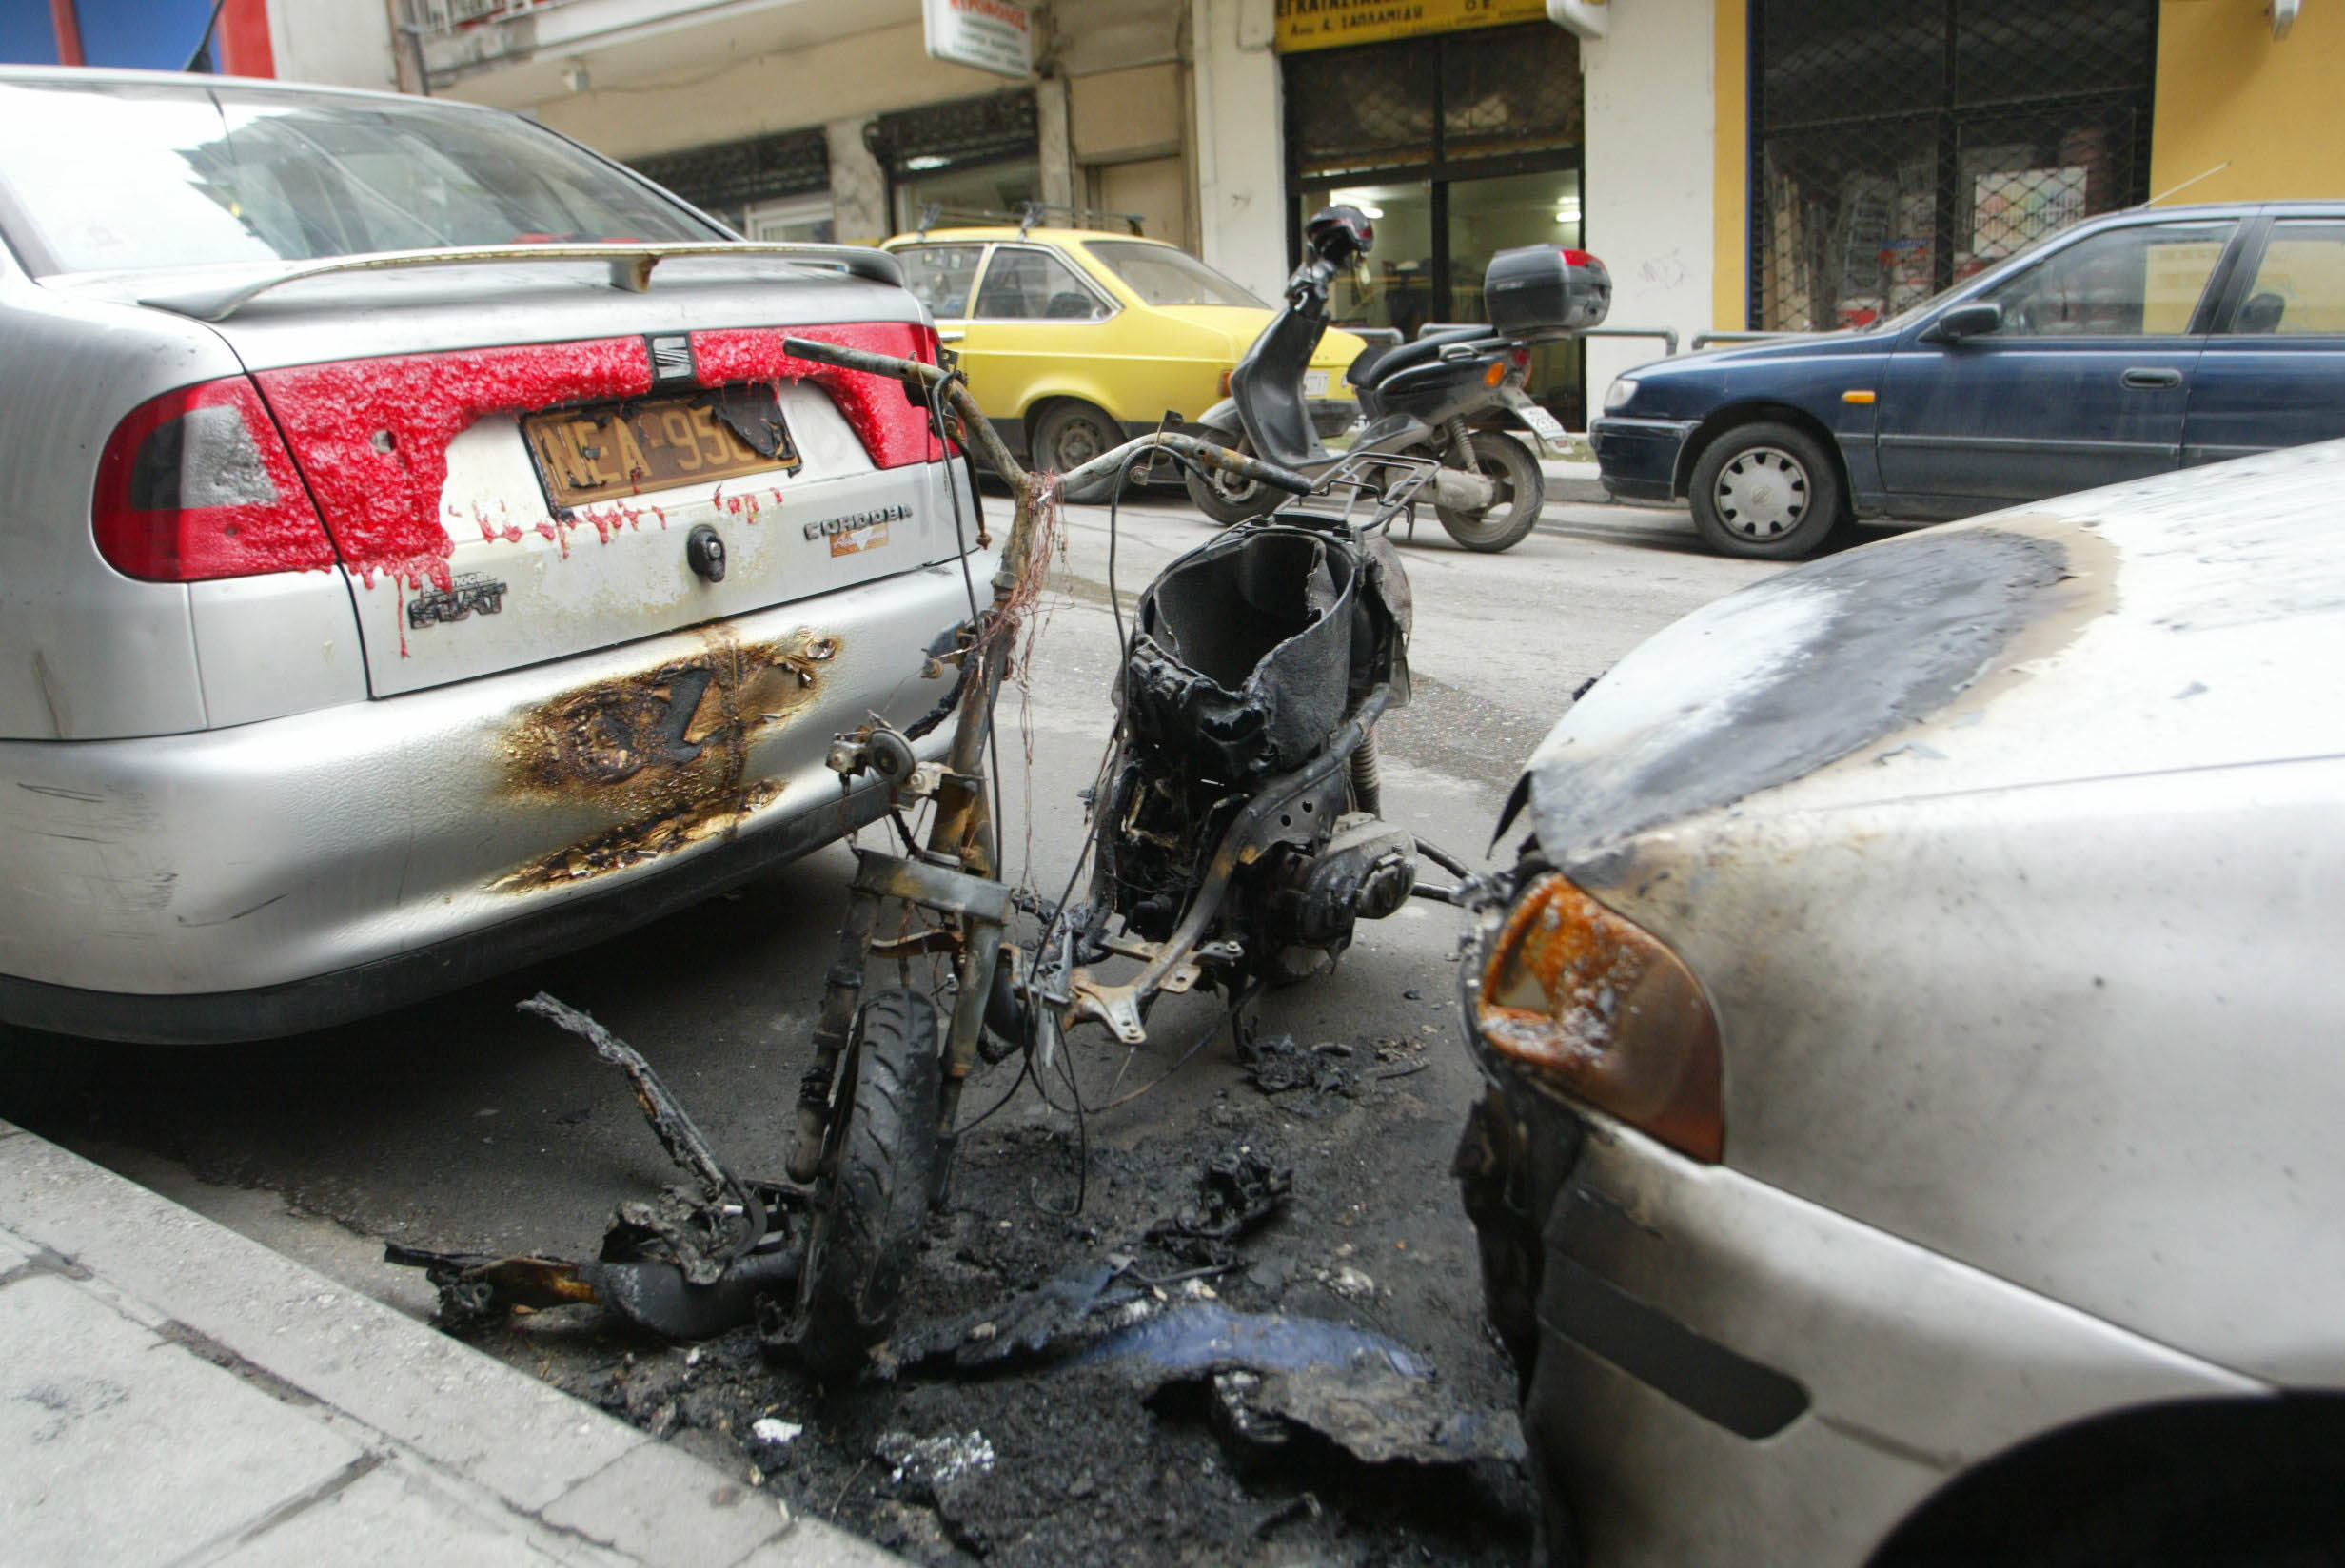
x=172 y=1392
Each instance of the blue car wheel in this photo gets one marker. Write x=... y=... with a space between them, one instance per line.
x=1765 y=491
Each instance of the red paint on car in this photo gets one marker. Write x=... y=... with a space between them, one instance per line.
x=372 y=436
x=893 y=429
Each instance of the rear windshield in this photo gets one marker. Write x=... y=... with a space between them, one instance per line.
x=108 y=176
x=1161 y=275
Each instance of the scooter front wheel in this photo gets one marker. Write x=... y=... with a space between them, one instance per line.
x=866 y=1230
x=1522 y=491
x=1226 y=498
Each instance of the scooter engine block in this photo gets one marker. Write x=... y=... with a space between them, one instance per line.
x=1365 y=871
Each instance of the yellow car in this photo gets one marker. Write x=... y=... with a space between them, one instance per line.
x=1077 y=340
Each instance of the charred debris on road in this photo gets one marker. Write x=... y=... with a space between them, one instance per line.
x=1146 y=1387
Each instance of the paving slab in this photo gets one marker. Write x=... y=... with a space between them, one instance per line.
x=117 y=1440
x=401 y=1515
x=177 y=1393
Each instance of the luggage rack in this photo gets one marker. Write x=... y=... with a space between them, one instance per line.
x=1029 y=216
x=1368 y=478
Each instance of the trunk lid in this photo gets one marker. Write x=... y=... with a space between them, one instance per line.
x=514 y=462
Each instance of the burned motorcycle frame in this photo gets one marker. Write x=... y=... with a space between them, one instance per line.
x=1234 y=844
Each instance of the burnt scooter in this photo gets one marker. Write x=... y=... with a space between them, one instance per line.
x=1234 y=844
x=1445 y=397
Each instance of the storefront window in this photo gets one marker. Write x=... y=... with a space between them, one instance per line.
x=1457 y=146
x=1901 y=149
x=1398 y=292
x=972 y=158
x=806 y=220
x=999 y=190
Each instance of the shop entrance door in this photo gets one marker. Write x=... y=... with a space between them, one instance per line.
x=1457 y=146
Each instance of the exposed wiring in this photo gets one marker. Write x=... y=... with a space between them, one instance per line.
x=1229 y=1019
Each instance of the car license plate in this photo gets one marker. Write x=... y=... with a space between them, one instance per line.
x=1314 y=384
x=656 y=444
x=1547 y=427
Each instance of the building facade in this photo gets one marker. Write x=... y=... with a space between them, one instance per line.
x=1777 y=165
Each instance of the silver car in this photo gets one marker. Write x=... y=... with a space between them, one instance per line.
x=1913 y=1051
x=419 y=551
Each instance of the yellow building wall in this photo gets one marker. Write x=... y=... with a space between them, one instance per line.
x=2228 y=92
x=1730 y=270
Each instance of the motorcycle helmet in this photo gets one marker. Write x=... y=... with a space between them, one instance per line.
x=1340 y=235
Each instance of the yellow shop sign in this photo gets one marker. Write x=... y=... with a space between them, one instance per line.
x=1327 y=24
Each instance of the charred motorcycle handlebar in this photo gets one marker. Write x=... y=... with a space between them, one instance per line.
x=921 y=377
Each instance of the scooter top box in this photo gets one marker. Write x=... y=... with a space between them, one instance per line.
x=1542 y=291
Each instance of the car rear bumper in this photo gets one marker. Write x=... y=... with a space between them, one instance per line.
x=1636 y=459
x=1724 y=1373
x=279 y=875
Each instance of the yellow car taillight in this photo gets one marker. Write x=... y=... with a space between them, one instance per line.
x=1599 y=1008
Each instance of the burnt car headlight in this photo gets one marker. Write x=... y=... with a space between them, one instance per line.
x=1598 y=1007
x=1616 y=396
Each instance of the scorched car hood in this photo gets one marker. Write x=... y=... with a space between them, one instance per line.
x=2136 y=629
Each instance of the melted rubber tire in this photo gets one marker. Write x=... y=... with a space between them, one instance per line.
x=867 y=1232
x=1820 y=477
x=1509 y=520
x=1226 y=499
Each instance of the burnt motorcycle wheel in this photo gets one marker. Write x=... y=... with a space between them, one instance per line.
x=1225 y=497
x=1522 y=491
x=866 y=1230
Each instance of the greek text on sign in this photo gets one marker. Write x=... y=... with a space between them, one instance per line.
x=1327 y=24
x=992 y=36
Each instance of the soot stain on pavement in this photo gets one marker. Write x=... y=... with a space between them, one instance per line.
x=1081 y=1461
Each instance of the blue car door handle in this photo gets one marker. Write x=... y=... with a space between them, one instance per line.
x=2151 y=377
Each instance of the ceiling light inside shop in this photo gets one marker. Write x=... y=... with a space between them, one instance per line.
x=1355 y=198
x=925 y=162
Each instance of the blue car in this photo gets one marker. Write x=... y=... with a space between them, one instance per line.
x=2129 y=344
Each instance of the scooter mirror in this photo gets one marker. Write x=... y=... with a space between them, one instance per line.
x=1340 y=234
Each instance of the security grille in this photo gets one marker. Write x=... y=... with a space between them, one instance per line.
x=966 y=131
x=1904 y=144
x=732 y=174
x=1496 y=93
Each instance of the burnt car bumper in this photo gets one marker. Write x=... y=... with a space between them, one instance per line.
x=1636 y=459
x=282 y=875
x=1716 y=1371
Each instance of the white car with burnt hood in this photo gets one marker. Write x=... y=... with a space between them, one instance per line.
x=420 y=553
x=1913 y=1054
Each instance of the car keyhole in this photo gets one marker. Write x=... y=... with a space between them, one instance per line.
x=704 y=553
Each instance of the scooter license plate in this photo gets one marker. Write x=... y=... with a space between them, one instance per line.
x=1549 y=428
x=1314 y=384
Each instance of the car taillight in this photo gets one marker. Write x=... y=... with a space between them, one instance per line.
x=1600 y=1009
x=196 y=485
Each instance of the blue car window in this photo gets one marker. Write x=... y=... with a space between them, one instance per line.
x=2143 y=281
x=2300 y=285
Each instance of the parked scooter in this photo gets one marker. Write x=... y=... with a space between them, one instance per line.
x=1447 y=397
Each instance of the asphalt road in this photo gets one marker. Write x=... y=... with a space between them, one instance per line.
x=459 y=1124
